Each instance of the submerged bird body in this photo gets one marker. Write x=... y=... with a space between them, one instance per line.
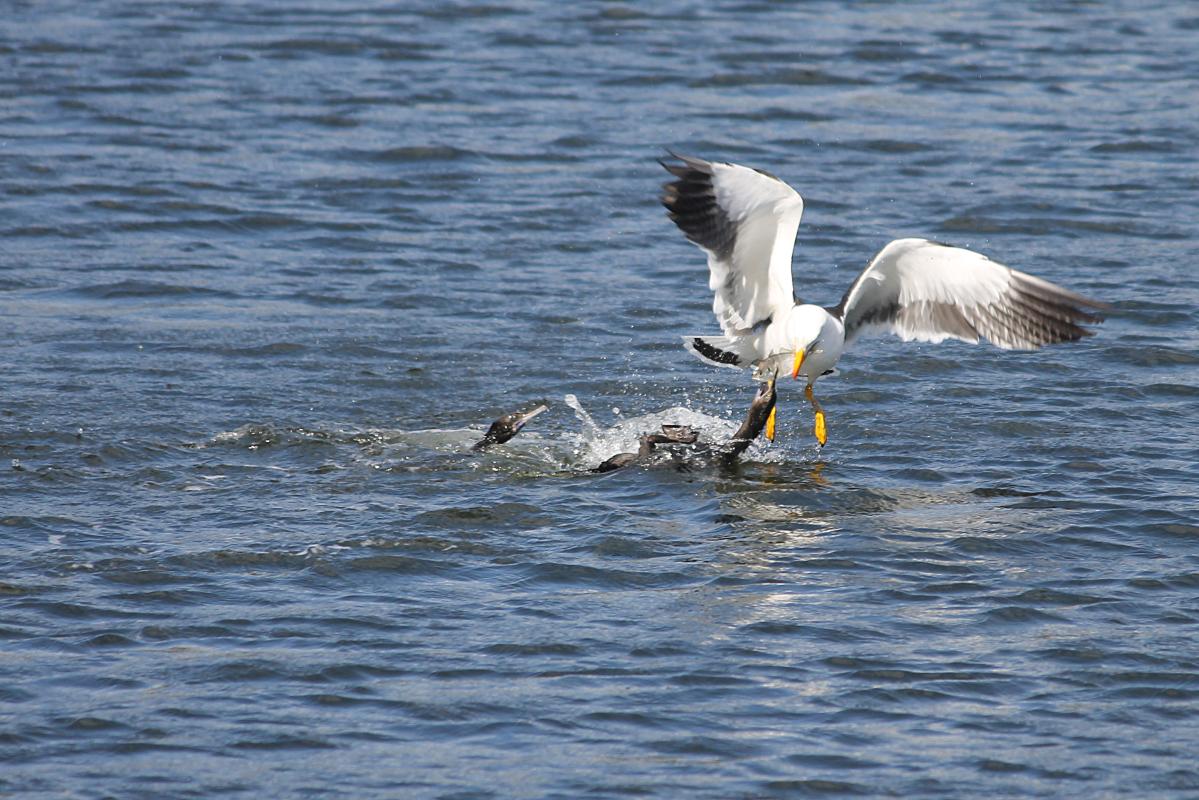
x=746 y=221
x=726 y=453
x=669 y=434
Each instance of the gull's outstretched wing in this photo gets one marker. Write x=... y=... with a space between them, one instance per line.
x=745 y=220
x=929 y=292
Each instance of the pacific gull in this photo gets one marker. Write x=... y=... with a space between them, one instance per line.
x=746 y=221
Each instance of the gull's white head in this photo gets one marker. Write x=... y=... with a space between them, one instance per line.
x=804 y=330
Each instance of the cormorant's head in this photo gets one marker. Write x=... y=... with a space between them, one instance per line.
x=508 y=426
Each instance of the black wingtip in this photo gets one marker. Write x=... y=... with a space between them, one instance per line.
x=690 y=200
x=685 y=168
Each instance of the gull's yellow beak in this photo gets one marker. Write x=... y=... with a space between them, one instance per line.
x=799 y=357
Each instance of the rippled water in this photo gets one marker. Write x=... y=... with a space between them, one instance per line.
x=268 y=269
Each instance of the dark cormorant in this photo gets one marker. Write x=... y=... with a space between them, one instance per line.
x=507 y=426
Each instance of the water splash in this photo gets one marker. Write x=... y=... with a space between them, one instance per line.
x=595 y=444
x=590 y=428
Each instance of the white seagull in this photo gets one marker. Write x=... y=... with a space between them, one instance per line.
x=746 y=221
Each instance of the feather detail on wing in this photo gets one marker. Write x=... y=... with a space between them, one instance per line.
x=929 y=292
x=746 y=221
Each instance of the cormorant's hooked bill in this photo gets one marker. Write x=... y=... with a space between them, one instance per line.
x=508 y=426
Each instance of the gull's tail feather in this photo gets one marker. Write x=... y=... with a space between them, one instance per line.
x=722 y=351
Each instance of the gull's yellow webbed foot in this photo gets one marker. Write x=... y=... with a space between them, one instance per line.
x=770 y=424
x=820 y=429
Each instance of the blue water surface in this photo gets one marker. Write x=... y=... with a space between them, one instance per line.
x=268 y=268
